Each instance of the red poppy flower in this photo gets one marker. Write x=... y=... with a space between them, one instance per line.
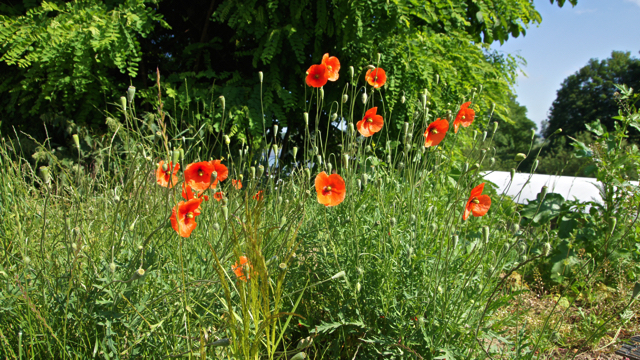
x=236 y=184
x=333 y=66
x=258 y=196
x=465 y=116
x=220 y=170
x=218 y=196
x=376 y=77
x=188 y=194
x=331 y=189
x=183 y=216
x=371 y=123
x=478 y=204
x=317 y=75
x=163 y=173
x=198 y=175
x=238 y=268
x=435 y=132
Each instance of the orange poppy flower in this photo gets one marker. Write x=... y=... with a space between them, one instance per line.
x=465 y=116
x=258 y=196
x=221 y=170
x=163 y=173
x=198 y=175
x=333 y=66
x=238 y=268
x=435 y=132
x=218 y=196
x=478 y=204
x=376 y=77
x=371 y=123
x=188 y=194
x=183 y=216
x=317 y=75
x=331 y=189
x=236 y=184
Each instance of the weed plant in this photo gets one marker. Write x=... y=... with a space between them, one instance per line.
x=91 y=267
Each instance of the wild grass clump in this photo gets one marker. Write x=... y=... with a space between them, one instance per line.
x=93 y=267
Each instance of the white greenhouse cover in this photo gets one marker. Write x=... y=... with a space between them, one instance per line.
x=580 y=188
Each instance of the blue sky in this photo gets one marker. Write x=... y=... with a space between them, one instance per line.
x=565 y=41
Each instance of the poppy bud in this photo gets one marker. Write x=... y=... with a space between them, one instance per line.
x=329 y=167
x=275 y=150
x=227 y=140
x=392 y=222
x=45 y=175
x=214 y=176
x=351 y=72
x=515 y=228
x=345 y=98
x=295 y=152
x=351 y=129
x=319 y=159
x=367 y=149
x=260 y=76
x=543 y=192
x=412 y=218
x=454 y=241
x=465 y=167
x=513 y=173
x=535 y=165
x=175 y=157
x=225 y=211
x=365 y=179
x=306 y=118
x=123 y=103
x=339 y=275
x=388 y=158
x=523 y=258
x=253 y=172
x=495 y=127
x=364 y=98
x=181 y=154
x=493 y=108
x=475 y=135
x=557 y=131
x=475 y=166
x=222 y=101
x=400 y=165
x=112 y=267
x=74 y=247
x=484 y=136
x=403 y=99
x=485 y=234
x=299 y=356
x=321 y=93
x=505 y=247
x=283 y=220
x=358 y=287
x=308 y=173
x=334 y=116
x=345 y=161
x=492 y=161
x=437 y=79
x=546 y=249
x=359 y=184
x=519 y=157
x=533 y=133
x=216 y=227
x=424 y=100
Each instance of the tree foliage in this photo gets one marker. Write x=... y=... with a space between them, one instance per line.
x=588 y=95
x=72 y=60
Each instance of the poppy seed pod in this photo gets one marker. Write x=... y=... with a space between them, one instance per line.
x=225 y=211
x=253 y=172
x=485 y=234
x=260 y=76
x=222 y=101
x=295 y=152
x=519 y=157
x=306 y=118
x=131 y=93
x=557 y=131
x=175 y=156
x=282 y=266
x=138 y=274
x=535 y=165
x=214 y=176
x=364 y=98
x=546 y=249
x=123 y=103
x=260 y=171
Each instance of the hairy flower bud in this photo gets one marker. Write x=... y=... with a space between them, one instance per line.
x=175 y=157
x=519 y=157
x=306 y=118
x=260 y=171
x=260 y=76
x=546 y=249
x=535 y=165
x=227 y=140
x=131 y=92
x=123 y=103
x=225 y=212
x=495 y=127
x=364 y=98
x=485 y=234
x=222 y=101
x=295 y=152
x=345 y=98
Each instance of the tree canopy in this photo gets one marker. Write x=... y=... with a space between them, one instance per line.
x=588 y=95
x=69 y=61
